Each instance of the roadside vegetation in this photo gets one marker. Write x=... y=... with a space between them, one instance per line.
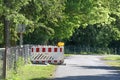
x=33 y=72
x=0 y=68
x=30 y=71
x=113 y=60
x=67 y=55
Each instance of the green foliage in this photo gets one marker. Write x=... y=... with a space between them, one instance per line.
x=1 y=33
x=104 y=36
x=84 y=13
x=10 y=9
x=95 y=35
x=115 y=7
x=89 y=11
x=54 y=20
x=36 y=36
x=46 y=15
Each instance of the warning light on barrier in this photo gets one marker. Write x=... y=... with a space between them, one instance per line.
x=60 y=44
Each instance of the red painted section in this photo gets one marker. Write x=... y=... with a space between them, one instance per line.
x=55 y=61
x=49 y=50
x=37 y=61
x=49 y=61
x=60 y=49
x=37 y=49
x=43 y=61
x=43 y=49
x=61 y=61
x=32 y=49
x=55 y=49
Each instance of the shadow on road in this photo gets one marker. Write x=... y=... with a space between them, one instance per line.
x=100 y=67
x=101 y=77
x=41 y=79
x=113 y=75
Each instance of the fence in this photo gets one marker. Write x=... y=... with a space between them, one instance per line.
x=14 y=54
x=90 y=50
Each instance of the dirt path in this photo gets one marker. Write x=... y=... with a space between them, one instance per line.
x=86 y=67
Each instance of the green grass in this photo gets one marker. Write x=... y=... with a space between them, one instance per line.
x=113 y=60
x=112 y=57
x=0 y=68
x=66 y=55
x=1 y=64
x=34 y=72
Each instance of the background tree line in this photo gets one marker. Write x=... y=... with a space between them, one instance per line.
x=76 y=22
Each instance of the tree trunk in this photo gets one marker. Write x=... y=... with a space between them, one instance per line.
x=7 y=44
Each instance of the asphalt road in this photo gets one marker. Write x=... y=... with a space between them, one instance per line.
x=86 y=67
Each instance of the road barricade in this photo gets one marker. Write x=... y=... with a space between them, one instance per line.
x=47 y=54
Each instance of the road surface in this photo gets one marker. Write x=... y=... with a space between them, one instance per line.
x=85 y=67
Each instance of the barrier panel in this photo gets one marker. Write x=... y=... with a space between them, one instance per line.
x=47 y=54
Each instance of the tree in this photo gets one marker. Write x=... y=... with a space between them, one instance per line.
x=100 y=13
x=95 y=35
x=58 y=19
x=82 y=13
x=46 y=16
x=11 y=11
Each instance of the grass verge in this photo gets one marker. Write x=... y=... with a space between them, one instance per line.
x=34 y=72
x=67 y=55
x=1 y=68
x=112 y=57
x=113 y=60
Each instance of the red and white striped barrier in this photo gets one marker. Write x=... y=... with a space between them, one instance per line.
x=47 y=54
